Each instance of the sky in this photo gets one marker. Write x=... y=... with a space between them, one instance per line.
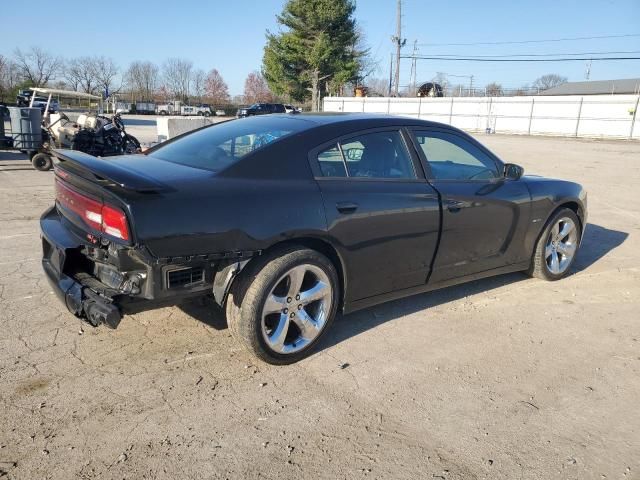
x=230 y=35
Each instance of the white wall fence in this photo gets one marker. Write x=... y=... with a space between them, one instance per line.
x=603 y=116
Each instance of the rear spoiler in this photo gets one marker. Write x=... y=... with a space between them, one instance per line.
x=100 y=169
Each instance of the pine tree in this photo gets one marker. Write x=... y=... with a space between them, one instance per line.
x=317 y=44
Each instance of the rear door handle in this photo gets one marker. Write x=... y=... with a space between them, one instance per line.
x=346 y=207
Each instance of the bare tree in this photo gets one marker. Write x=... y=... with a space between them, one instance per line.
x=37 y=66
x=494 y=89
x=216 y=88
x=81 y=73
x=256 y=89
x=106 y=72
x=142 y=79
x=9 y=76
x=549 y=80
x=378 y=86
x=198 y=84
x=442 y=79
x=176 y=73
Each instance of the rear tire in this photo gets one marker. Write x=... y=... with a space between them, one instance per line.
x=42 y=162
x=557 y=246
x=282 y=304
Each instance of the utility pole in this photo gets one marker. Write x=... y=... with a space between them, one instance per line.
x=414 y=73
x=399 y=42
x=471 y=85
x=587 y=73
x=390 y=75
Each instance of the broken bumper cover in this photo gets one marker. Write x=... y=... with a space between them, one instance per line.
x=79 y=299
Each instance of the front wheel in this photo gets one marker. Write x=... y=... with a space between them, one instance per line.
x=281 y=305
x=557 y=246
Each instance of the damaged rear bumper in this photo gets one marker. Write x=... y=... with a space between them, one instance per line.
x=101 y=284
x=78 y=298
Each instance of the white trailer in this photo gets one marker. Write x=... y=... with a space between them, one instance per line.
x=177 y=108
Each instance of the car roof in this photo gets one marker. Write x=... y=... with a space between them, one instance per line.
x=363 y=120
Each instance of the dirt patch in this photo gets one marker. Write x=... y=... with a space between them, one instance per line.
x=503 y=378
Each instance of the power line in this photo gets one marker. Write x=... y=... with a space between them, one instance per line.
x=530 y=41
x=476 y=59
x=534 y=54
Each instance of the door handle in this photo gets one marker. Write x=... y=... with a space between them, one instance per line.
x=455 y=206
x=346 y=207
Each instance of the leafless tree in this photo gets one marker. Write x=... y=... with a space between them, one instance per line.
x=522 y=91
x=198 y=84
x=256 y=89
x=142 y=80
x=37 y=66
x=9 y=76
x=494 y=89
x=106 y=72
x=442 y=79
x=549 y=80
x=81 y=73
x=176 y=74
x=378 y=86
x=216 y=88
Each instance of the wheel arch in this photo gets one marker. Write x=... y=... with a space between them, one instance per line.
x=573 y=205
x=322 y=246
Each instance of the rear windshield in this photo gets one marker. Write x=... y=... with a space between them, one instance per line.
x=216 y=147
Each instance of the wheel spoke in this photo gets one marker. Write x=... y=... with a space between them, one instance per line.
x=317 y=292
x=567 y=228
x=296 y=276
x=308 y=327
x=279 y=335
x=548 y=251
x=274 y=304
x=554 y=231
x=567 y=249
x=554 y=266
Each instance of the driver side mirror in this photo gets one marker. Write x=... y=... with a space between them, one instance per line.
x=513 y=171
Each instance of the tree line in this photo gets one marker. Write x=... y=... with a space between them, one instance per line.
x=318 y=50
x=174 y=79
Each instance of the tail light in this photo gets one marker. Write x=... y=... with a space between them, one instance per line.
x=96 y=214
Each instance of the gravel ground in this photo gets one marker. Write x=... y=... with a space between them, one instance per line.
x=504 y=378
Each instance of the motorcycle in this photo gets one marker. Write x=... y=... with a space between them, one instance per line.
x=108 y=137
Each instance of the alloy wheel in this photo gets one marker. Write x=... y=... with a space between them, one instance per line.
x=297 y=308
x=561 y=245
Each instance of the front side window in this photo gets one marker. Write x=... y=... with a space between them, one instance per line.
x=371 y=155
x=451 y=157
x=219 y=146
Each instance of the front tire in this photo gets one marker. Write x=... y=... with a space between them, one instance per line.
x=282 y=304
x=557 y=246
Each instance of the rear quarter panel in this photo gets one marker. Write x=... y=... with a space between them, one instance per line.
x=228 y=215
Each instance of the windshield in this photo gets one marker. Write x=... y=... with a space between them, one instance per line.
x=216 y=147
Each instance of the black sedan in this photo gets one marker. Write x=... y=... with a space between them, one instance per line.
x=286 y=220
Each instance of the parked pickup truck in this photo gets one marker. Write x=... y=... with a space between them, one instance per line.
x=284 y=220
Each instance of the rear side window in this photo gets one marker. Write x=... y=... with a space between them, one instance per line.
x=371 y=155
x=219 y=146
x=331 y=162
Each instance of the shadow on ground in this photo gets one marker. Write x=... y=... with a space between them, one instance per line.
x=11 y=160
x=597 y=242
x=129 y=122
